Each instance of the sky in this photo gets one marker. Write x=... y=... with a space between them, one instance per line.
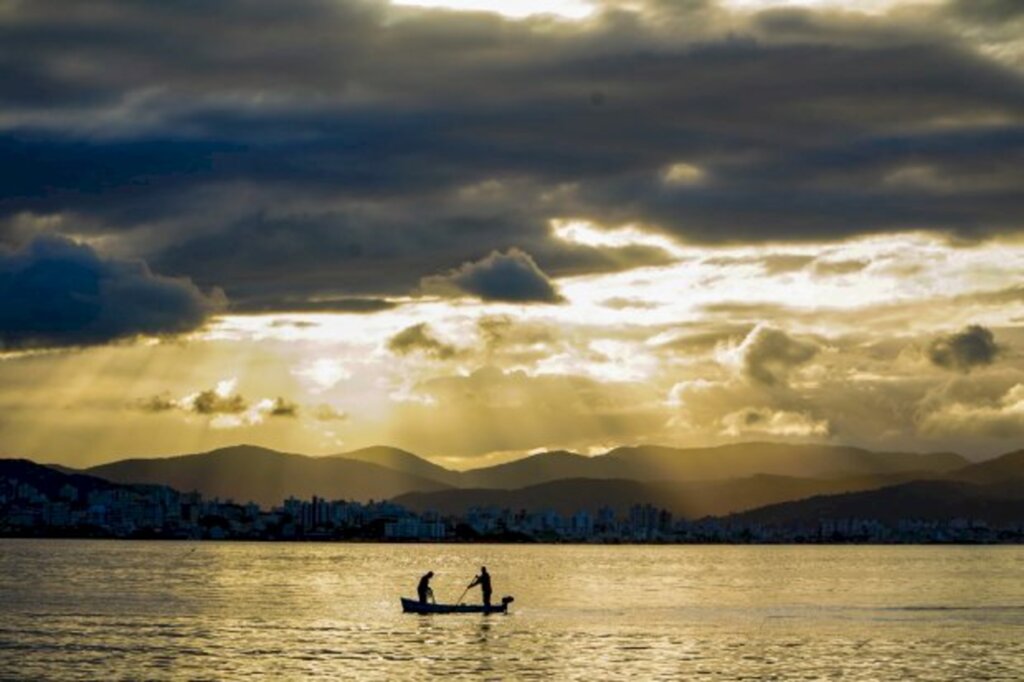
x=477 y=229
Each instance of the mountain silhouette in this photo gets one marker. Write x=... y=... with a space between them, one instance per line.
x=656 y=463
x=405 y=462
x=49 y=480
x=780 y=459
x=249 y=473
x=992 y=490
x=1005 y=468
x=687 y=499
x=542 y=468
x=918 y=500
x=689 y=481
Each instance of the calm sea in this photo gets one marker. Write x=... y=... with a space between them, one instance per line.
x=139 y=610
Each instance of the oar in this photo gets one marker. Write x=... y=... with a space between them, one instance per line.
x=459 y=600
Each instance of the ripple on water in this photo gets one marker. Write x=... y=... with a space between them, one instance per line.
x=303 y=611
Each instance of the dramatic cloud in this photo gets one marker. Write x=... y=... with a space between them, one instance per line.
x=314 y=305
x=419 y=339
x=511 y=277
x=619 y=303
x=762 y=220
x=988 y=10
x=58 y=293
x=706 y=338
x=213 y=401
x=974 y=346
x=838 y=267
x=768 y=355
x=300 y=154
x=492 y=410
x=157 y=403
x=1002 y=418
x=280 y=407
x=222 y=403
x=773 y=264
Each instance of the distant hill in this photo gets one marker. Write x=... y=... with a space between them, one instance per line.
x=655 y=463
x=61 y=468
x=780 y=459
x=545 y=467
x=692 y=499
x=925 y=500
x=406 y=462
x=1005 y=468
x=246 y=472
x=49 y=480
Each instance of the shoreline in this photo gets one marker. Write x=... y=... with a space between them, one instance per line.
x=529 y=543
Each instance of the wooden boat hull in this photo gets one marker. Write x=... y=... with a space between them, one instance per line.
x=414 y=606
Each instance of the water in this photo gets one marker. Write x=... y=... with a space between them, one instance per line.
x=139 y=610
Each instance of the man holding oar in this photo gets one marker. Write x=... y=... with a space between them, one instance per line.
x=484 y=581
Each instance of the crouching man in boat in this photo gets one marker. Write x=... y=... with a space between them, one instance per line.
x=423 y=589
x=484 y=581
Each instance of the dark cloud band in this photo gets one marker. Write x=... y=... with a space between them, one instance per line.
x=57 y=293
x=511 y=277
x=298 y=153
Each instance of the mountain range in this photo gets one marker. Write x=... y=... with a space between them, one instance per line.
x=749 y=481
x=692 y=482
x=688 y=499
x=266 y=476
x=249 y=473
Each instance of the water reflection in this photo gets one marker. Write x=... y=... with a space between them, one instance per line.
x=230 y=611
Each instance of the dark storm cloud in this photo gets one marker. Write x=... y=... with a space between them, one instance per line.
x=974 y=346
x=58 y=293
x=323 y=149
x=987 y=10
x=371 y=251
x=511 y=277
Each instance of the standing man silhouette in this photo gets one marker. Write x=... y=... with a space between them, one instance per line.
x=484 y=581
x=423 y=589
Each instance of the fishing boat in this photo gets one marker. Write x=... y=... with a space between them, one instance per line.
x=415 y=606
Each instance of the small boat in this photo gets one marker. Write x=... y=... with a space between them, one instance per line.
x=414 y=606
